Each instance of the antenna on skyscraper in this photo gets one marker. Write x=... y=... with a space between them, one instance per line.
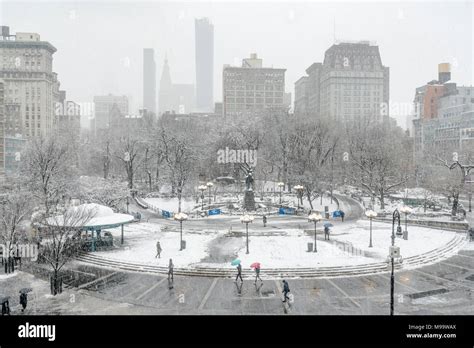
x=334 y=30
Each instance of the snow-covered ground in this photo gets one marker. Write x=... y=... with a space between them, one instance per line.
x=7 y=276
x=273 y=251
x=140 y=245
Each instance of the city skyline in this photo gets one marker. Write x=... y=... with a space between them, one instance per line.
x=116 y=53
x=310 y=159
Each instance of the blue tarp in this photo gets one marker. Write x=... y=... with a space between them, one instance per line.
x=336 y=213
x=165 y=214
x=286 y=211
x=214 y=212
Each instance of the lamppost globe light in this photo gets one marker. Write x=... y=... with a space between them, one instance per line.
x=315 y=217
x=180 y=216
x=202 y=187
x=209 y=184
x=298 y=187
x=370 y=214
x=281 y=184
x=245 y=219
x=406 y=209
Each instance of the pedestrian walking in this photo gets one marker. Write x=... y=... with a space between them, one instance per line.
x=257 y=274
x=286 y=290
x=170 y=270
x=158 y=250
x=342 y=215
x=326 y=232
x=264 y=220
x=239 y=273
x=5 y=307
x=23 y=300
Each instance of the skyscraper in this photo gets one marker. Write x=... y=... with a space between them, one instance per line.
x=204 y=41
x=149 y=80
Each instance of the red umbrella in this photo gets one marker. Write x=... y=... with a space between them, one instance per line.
x=255 y=265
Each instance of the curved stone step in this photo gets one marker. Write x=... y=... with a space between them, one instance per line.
x=336 y=271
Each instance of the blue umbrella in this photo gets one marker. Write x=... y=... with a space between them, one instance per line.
x=235 y=262
x=328 y=224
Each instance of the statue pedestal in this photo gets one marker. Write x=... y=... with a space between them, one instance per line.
x=249 y=201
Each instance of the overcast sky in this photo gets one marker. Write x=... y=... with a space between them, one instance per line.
x=97 y=39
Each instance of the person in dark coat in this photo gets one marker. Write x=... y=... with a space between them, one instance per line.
x=5 y=308
x=342 y=215
x=239 y=273
x=158 y=249
x=264 y=220
x=286 y=290
x=23 y=300
x=170 y=270
x=326 y=232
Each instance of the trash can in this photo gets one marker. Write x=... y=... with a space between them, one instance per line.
x=183 y=244
x=310 y=247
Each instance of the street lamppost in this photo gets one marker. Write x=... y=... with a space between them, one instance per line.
x=246 y=219
x=202 y=188
x=209 y=186
x=469 y=196
x=406 y=210
x=315 y=217
x=370 y=214
x=181 y=217
x=299 y=193
x=394 y=252
x=281 y=185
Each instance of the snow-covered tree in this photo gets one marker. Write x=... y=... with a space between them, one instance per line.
x=50 y=169
x=378 y=154
x=61 y=239
x=179 y=158
x=15 y=208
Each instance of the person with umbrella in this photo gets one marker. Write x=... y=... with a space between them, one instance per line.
x=342 y=215
x=286 y=290
x=256 y=266
x=264 y=221
x=326 y=230
x=239 y=270
x=158 y=249
x=24 y=297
